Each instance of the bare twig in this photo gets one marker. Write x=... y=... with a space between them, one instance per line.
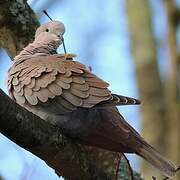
x=131 y=171
x=45 y=12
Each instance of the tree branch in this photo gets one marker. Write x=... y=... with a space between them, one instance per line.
x=69 y=159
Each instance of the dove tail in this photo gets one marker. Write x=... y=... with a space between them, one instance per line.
x=118 y=100
x=157 y=160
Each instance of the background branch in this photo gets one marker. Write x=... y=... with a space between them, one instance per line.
x=172 y=84
x=153 y=112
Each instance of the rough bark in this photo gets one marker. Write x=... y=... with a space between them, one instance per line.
x=153 y=110
x=17 y=25
x=69 y=159
x=172 y=87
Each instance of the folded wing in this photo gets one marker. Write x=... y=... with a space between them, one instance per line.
x=62 y=85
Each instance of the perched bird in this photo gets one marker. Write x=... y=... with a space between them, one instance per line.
x=65 y=93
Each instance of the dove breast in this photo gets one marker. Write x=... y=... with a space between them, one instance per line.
x=55 y=85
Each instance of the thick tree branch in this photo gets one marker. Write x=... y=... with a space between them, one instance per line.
x=46 y=141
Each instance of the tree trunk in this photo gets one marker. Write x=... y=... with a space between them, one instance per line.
x=172 y=89
x=153 y=110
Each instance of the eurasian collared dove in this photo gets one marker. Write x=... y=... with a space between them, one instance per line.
x=67 y=94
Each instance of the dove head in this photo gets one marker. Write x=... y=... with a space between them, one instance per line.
x=50 y=33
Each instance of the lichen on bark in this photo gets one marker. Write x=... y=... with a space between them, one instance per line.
x=17 y=25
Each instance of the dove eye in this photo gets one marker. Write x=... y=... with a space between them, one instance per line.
x=47 y=30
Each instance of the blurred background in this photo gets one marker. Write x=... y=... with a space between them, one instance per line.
x=134 y=46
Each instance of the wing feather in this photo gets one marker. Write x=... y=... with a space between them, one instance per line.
x=27 y=91
x=17 y=88
x=27 y=80
x=15 y=81
x=43 y=81
x=65 y=79
x=62 y=84
x=32 y=100
x=32 y=83
x=20 y=99
x=66 y=103
x=78 y=79
x=99 y=92
x=93 y=100
x=98 y=84
x=55 y=89
x=44 y=94
x=79 y=93
x=82 y=87
x=76 y=101
x=26 y=71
